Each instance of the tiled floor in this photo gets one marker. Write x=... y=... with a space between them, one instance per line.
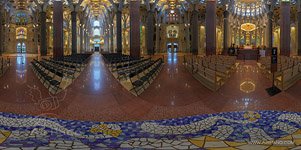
x=246 y=122
x=255 y=130
x=97 y=96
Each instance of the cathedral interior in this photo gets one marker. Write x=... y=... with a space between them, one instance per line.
x=150 y=74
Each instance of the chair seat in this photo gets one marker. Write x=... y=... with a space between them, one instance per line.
x=137 y=83
x=48 y=78
x=54 y=82
x=145 y=78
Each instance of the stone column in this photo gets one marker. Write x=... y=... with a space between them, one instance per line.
x=58 y=48
x=211 y=27
x=87 y=41
x=269 y=30
x=195 y=32
x=260 y=36
x=157 y=36
x=1 y=40
x=187 y=33
x=81 y=34
x=285 y=29
x=43 y=28
x=150 y=33
x=235 y=36
x=112 y=37
x=135 y=28
x=256 y=37
x=74 y=32
x=245 y=39
x=119 y=31
x=299 y=27
x=226 y=32
x=239 y=36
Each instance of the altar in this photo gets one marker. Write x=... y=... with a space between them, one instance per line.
x=247 y=53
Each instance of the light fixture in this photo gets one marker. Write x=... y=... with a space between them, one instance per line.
x=248 y=27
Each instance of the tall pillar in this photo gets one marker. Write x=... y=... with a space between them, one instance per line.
x=43 y=28
x=239 y=36
x=81 y=34
x=299 y=27
x=1 y=40
x=58 y=48
x=119 y=31
x=211 y=27
x=226 y=31
x=87 y=43
x=157 y=36
x=234 y=36
x=74 y=32
x=269 y=34
x=285 y=28
x=135 y=28
x=111 y=37
x=256 y=37
x=245 y=39
x=150 y=33
x=187 y=32
x=195 y=32
x=260 y=36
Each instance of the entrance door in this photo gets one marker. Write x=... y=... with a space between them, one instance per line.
x=96 y=49
x=172 y=47
x=21 y=47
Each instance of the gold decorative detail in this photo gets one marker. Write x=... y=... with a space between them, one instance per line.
x=247 y=87
x=248 y=27
x=105 y=129
x=252 y=116
x=4 y=135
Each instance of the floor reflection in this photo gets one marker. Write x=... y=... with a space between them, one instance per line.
x=21 y=68
x=96 y=72
x=172 y=58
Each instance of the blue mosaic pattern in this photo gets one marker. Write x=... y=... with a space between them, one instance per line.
x=37 y=134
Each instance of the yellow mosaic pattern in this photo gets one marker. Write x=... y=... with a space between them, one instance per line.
x=283 y=143
x=4 y=135
x=252 y=116
x=104 y=129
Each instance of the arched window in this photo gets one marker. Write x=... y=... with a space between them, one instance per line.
x=96 y=32
x=96 y=23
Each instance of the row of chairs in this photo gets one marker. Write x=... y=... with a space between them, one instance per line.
x=50 y=77
x=134 y=74
x=56 y=75
x=123 y=73
x=142 y=78
x=212 y=71
x=288 y=71
x=128 y=65
x=75 y=59
x=4 y=65
x=115 y=59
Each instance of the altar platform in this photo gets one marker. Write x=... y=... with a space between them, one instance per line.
x=248 y=54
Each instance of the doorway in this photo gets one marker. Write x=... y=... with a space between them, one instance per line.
x=21 y=47
x=172 y=47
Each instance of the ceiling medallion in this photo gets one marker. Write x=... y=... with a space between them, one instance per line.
x=248 y=27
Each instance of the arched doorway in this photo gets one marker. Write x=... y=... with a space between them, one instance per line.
x=172 y=47
x=21 y=47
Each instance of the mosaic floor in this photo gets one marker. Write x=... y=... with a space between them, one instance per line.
x=232 y=130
